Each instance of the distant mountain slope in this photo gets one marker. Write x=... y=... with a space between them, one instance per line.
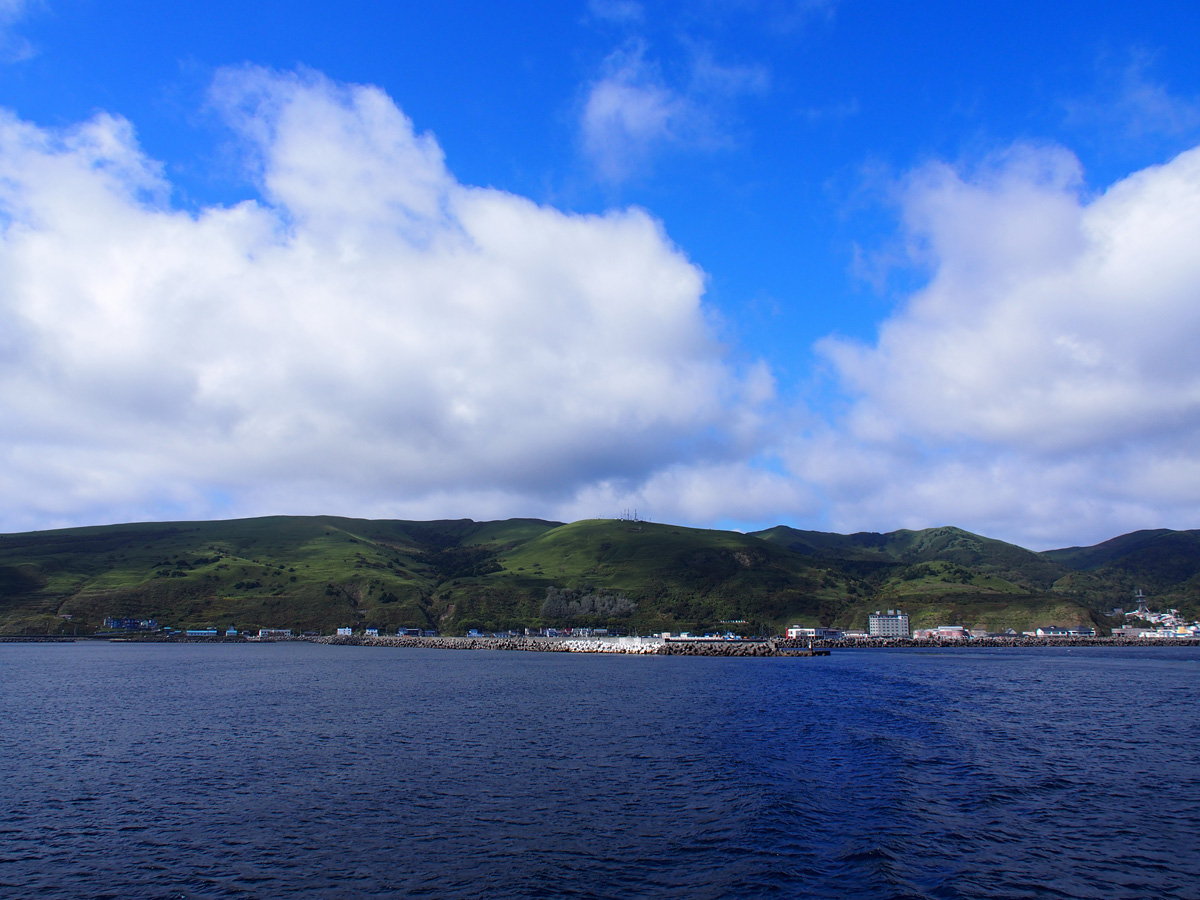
x=321 y=572
x=1115 y=549
x=1159 y=562
x=1014 y=564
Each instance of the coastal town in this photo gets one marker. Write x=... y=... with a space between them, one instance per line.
x=894 y=624
x=885 y=628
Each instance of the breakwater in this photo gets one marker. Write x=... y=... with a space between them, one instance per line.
x=764 y=647
x=620 y=645
x=629 y=645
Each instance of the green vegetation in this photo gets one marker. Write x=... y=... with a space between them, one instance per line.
x=318 y=573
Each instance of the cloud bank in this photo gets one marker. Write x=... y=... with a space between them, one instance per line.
x=368 y=336
x=1045 y=382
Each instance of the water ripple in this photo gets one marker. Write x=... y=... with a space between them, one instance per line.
x=290 y=770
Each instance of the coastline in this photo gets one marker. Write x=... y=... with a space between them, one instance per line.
x=620 y=645
x=772 y=647
x=769 y=647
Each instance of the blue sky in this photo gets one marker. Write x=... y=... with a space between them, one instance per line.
x=838 y=265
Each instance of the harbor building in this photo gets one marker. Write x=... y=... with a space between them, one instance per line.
x=816 y=634
x=128 y=624
x=945 y=633
x=1057 y=632
x=892 y=624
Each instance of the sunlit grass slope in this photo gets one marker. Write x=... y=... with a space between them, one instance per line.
x=274 y=571
x=678 y=578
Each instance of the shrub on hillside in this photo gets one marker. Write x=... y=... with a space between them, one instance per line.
x=568 y=603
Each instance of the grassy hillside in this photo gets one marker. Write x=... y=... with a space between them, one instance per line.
x=1164 y=564
x=324 y=572
x=674 y=577
x=319 y=573
x=982 y=556
x=275 y=571
x=1081 y=558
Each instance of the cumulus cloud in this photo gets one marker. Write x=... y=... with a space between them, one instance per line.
x=365 y=335
x=1044 y=383
x=369 y=336
x=736 y=493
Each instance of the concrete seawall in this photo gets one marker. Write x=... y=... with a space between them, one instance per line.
x=770 y=647
x=638 y=646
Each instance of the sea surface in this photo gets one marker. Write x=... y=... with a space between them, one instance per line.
x=296 y=770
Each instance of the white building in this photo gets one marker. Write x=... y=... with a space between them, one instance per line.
x=1059 y=632
x=345 y=632
x=815 y=634
x=892 y=624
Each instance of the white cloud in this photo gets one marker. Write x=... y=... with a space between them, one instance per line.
x=1131 y=104
x=1150 y=108
x=1044 y=383
x=1050 y=321
x=632 y=113
x=12 y=10
x=703 y=494
x=717 y=80
x=368 y=335
x=372 y=337
x=13 y=47
x=622 y=11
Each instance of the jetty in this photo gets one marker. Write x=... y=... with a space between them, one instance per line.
x=648 y=646
x=36 y=639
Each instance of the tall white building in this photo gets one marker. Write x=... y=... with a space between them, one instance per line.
x=892 y=624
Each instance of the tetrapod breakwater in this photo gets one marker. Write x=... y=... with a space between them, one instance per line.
x=618 y=645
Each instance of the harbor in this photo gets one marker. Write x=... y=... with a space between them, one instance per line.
x=643 y=646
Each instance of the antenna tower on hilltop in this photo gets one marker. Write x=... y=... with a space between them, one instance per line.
x=632 y=516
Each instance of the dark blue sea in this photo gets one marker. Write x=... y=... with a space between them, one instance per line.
x=296 y=770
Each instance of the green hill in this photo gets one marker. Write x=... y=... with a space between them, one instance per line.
x=319 y=573
x=302 y=572
x=674 y=577
x=1164 y=564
